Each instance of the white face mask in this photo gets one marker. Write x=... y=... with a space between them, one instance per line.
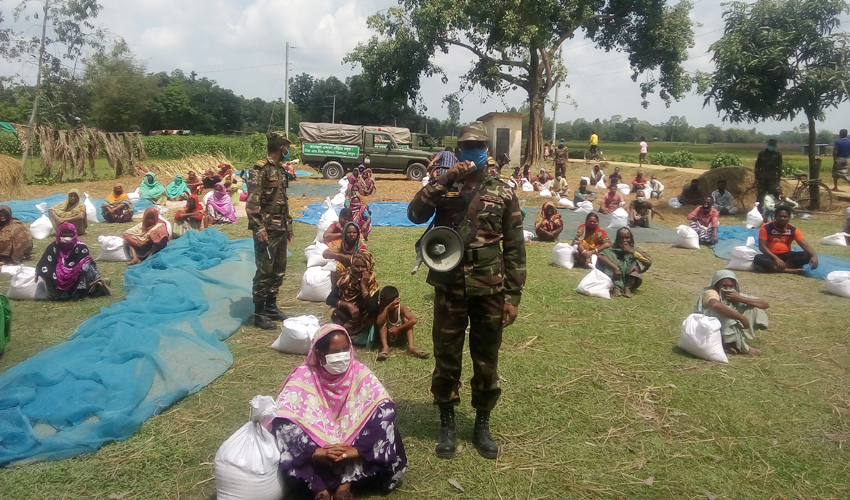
x=336 y=364
x=66 y=239
x=727 y=290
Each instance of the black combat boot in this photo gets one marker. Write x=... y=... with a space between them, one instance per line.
x=260 y=318
x=481 y=437
x=272 y=311
x=447 y=447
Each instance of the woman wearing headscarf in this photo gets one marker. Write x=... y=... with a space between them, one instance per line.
x=152 y=190
x=548 y=224
x=72 y=211
x=220 y=208
x=740 y=315
x=335 y=422
x=355 y=298
x=190 y=218
x=147 y=237
x=361 y=214
x=354 y=181
x=117 y=207
x=590 y=240
x=230 y=181
x=543 y=181
x=624 y=263
x=15 y=240
x=177 y=190
x=341 y=250
x=193 y=182
x=210 y=179
x=368 y=183
x=67 y=268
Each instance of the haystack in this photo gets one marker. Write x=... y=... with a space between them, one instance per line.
x=198 y=163
x=11 y=178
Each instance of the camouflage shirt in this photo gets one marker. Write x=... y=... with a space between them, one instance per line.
x=266 y=208
x=561 y=154
x=768 y=165
x=493 y=216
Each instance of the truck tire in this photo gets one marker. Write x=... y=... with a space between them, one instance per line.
x=332 y=170
x=416 y=171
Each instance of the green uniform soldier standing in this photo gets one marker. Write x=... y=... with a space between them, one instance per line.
x=768 y=172
x=483 y=291
x=268 y=217
x=562 y=157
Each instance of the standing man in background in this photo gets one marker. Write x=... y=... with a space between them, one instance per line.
x=562 y=156
x=268 y=217
x=643 y=150
x=594 y=142
x=483 y=291
x=768 y=171
x=446 y=159
x=841 y=159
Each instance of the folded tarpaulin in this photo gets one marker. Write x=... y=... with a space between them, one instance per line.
x=384 y=213
x=8 y=127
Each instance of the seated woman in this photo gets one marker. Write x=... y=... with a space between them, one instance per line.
x=210 y=179
x=355 y=295
x=71 y=211
x=740 y=315
x=354 y=183
x=590 y=239
x=705 y=219
x=220 y=208
x=68 y=269
x=117 y=207
x=583 y=193
x=624 y=263
x=146 y=238
x=15 y=239
x=341 y=250
x=335 y=231
x=193 y=182
x=152 y=190
x=177 y=190
x=775 y=239
x=639 y=182
x=190 y=218
x=231 y=182
x=542 y=181
x=596 y=175
x=361 y=215
x=335 y=422
x=368 y=183
x=548 y=224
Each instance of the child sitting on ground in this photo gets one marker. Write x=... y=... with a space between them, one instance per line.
x=395 y=322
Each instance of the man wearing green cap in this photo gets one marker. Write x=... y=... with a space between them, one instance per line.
x=483 y=291
x=268 y=216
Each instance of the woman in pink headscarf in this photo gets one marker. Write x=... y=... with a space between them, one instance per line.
x=220 y=208
x=68 y=269
x=361 y=215
x=335 y=422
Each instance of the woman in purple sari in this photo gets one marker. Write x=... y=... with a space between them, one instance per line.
x=335 y=422
x=219 y=204
x=68 y=269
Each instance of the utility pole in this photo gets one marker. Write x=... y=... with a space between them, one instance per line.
x=555 y=108
x=333 y=112
x=286 y=92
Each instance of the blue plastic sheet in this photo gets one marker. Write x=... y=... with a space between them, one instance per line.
x=134 y=359
x=729 y=237
x=304 y=173
x=26 y=211
x=384 y=213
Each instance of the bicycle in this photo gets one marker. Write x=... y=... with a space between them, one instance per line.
x=597 y=156
x=802 y=195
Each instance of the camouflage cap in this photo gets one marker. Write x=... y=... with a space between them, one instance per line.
x=277 y=139
x=474 y=132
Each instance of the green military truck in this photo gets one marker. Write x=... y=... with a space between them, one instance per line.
x=336 y=148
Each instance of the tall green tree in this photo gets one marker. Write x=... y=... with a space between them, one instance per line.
x=778 y=59
x=120 y=91
x=515 y=44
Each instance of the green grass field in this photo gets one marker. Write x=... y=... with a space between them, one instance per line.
x=597 y=400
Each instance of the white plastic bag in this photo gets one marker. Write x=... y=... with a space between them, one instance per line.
x=674 y=202
x=701 y=337
x=338 y=200
x=297 y=334
x=343 y=185
x=596 y=283
x=620 y=218
x=686 y=237
x=546 y=193
x=743 y=255
x=25 y=285
x=527 y=235
x=624 y=189
x=112 y=249
x=425 y=180
x=91 y=212
x=601 y=184
x=838 y=283
x=526 y=186
x=134 y=196
x=313 y=253
x=41 y=228
x=326 y=221
x=563 y=255
x=584 y=207
x=247 y=464
x=754 y=218
x=587 y=179
x=837 y=239
x=566 y=202
x=647 y=192
x=315 y=285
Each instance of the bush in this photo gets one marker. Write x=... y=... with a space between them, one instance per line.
x=681 y=158
x=629 y=158
x=246 y=149
x=10 y=145
x=721 y=160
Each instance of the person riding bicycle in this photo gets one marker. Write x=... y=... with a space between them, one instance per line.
x=594 y=143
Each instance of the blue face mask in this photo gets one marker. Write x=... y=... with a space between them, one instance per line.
x=476 y=156
x=771 y=148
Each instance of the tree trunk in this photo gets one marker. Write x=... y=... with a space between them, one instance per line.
x=814 y=166
x=536 y=99
x=37 y=85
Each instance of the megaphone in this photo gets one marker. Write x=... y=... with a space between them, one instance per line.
x=441 y=249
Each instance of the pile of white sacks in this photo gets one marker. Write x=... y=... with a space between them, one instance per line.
x=316 y=282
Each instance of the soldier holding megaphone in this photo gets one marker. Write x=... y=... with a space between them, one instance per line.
x=476 y=253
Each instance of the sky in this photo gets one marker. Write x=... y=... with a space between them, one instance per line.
x=241 y=45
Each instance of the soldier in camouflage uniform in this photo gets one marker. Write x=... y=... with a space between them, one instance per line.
x=562 y=156
x=483 y=291
x=768 y=172
x=268 y=216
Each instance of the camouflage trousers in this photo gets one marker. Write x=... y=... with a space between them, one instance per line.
x=452 y=312
x=271 y=266
x=560 y=169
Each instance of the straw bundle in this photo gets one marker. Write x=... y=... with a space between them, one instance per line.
x=11 y=178
x=198 y=163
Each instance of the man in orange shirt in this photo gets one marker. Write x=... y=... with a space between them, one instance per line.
x=775 y=239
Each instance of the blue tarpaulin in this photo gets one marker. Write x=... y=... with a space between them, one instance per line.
x=384 y=213
x=26 y=211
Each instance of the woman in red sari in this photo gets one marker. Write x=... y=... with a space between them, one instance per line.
x=548 y=224
x=590 y=239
